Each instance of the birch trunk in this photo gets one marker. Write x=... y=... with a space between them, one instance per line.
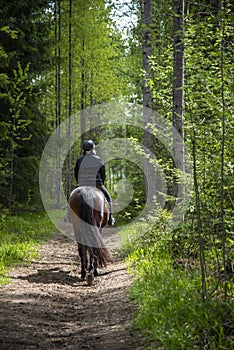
x=146 y=14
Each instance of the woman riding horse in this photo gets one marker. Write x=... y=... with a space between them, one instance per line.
x=88 y=210
x=90 y=171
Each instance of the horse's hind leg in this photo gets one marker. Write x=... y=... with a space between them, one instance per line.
x=83 y=258
x=90 y=274
x=91 y=268
x=95 y=267
x=95 y=262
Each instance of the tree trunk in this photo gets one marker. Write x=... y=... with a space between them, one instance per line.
x=146 y=10
x=223 y=129
x=146 y=14
x=82 y=116
x=58 y=102
x=178 y=95
x=10 y=198
x=68 y=170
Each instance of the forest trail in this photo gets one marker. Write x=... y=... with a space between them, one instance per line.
x=46 y=306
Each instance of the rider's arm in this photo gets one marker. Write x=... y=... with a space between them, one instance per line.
x=103 y=173
x=76 y=169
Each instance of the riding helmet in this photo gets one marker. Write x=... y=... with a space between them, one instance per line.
x=88 y=145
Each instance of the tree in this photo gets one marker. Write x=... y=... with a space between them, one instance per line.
x=207 y=82
x=70 y=98
x=26 y=55
x=58 y=43
x=202 y=111
x=146 y=14
x=178 y=87
x=146 y=18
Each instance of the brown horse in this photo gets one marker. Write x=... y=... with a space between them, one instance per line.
x=88 y=211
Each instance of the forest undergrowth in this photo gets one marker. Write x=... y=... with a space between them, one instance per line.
x=20 y=236
x=167 y=289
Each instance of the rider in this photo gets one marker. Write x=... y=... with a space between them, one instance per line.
x=90 y=171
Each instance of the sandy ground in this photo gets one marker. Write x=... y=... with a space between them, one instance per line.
x=47 y=306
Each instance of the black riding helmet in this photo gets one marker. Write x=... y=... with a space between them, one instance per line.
x=88 y=145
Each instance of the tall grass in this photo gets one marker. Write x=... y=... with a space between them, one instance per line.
x=170 y=312
x=19 y=237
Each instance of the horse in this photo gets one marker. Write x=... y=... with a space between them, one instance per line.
x=88 y=211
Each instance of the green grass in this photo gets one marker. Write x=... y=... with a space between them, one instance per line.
x=170 y=312
x=20 y=236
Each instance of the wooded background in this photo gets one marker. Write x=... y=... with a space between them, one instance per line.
x=60 y=57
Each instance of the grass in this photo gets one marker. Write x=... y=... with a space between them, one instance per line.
x=20 y=236
x=170 y=312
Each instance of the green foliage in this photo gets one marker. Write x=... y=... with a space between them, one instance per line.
x=167 y=287
x=24 y=56
x=208 y=114
x=170 y=312
x=139 y=235
x=134 y=177
x=19 y=237
x=208 y=85
x=96 y=56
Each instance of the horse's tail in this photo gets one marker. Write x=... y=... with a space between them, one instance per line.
x=102 y=255
x=85 y=207
x=92 y=239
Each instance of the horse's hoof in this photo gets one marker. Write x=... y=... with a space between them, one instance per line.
x=83 y=276
x=95 y=273
x=90 y=278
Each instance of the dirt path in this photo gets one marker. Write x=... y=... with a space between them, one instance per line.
x=46 y=306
